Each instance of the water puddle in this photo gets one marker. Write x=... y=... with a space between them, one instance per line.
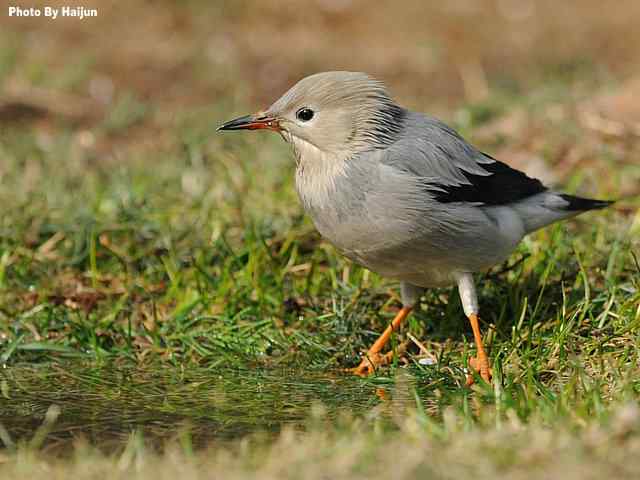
x=104 y=405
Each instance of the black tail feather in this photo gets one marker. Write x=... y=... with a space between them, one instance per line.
x=583 y=204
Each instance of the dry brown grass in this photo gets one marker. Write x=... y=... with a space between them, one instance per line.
x=433 y=53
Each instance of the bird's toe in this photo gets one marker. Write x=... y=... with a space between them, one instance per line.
x=480 y=365
x=371 y=362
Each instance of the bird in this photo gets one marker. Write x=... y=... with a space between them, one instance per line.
x=404 y=195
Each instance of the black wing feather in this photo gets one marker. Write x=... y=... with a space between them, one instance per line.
x=504 y=185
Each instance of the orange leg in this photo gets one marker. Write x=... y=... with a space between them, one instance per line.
x=373 y=358
x=480 y=363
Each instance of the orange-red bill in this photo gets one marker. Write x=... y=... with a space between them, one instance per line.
x=251 y=122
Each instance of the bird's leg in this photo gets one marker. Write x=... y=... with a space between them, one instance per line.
x=373 y=358
x=480 y=363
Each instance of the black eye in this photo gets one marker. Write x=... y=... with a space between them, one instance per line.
x=304 y=114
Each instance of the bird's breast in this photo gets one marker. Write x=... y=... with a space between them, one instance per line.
x=336 y=197
x=333 y=200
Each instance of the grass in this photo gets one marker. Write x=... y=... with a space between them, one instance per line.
x=165 y=300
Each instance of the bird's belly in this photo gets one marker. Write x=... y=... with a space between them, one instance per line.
x=416 y=267
x=414 y=261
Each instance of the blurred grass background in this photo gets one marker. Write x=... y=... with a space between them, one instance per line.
x=132 y=234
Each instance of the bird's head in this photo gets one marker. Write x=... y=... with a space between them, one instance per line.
x=338 y=113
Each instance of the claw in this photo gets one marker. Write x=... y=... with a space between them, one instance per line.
x=480 y=364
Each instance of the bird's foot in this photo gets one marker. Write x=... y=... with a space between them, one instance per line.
x=480 y=364
x=371 y=362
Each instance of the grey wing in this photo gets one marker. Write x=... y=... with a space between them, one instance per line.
x=444 y=206
x=452 y=170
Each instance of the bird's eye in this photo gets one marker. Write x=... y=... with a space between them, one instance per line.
x=304 y=114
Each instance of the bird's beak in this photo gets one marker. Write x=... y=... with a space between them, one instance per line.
x=256 y=121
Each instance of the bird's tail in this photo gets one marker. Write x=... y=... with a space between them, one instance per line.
x=549 y=207
x=579 y=204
